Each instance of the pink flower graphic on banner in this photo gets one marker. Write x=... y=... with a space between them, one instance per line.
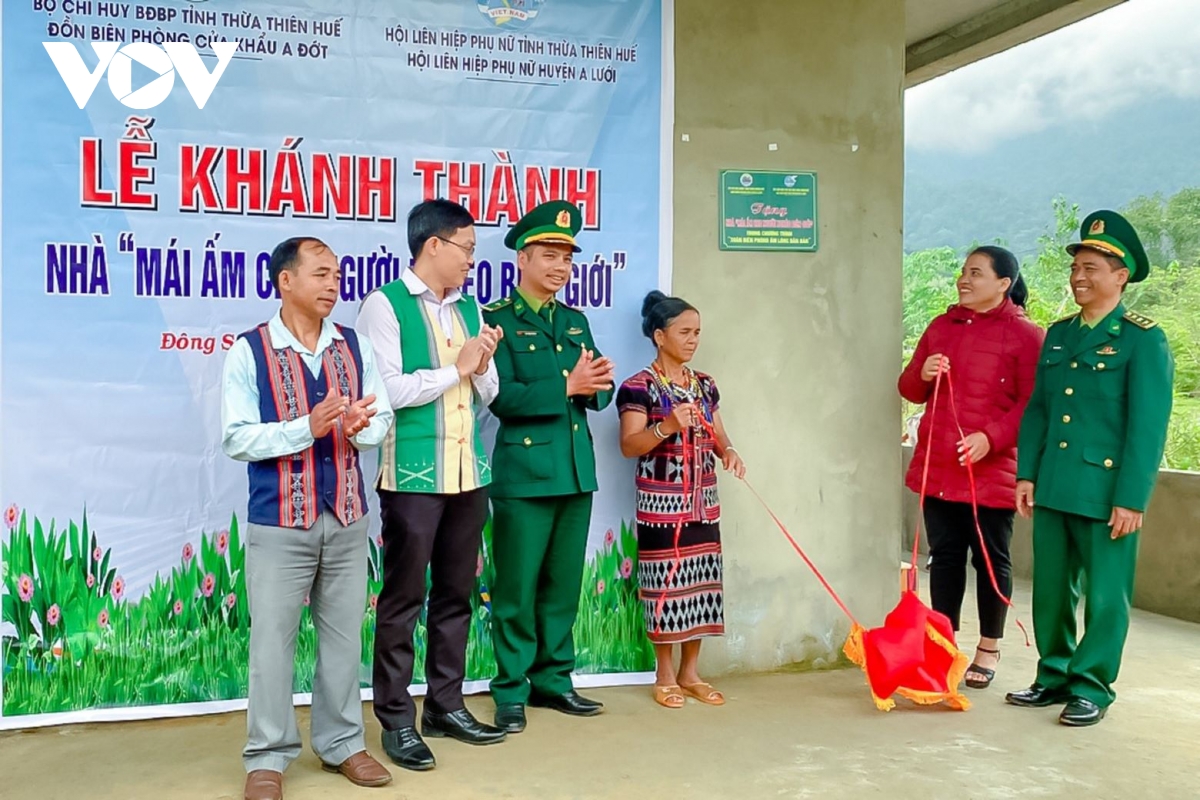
x=91 y=580
x=12 y=515
x=210 y=583
x=53 y=615
x=103 y=618
x=178 y=609
x=626 y=567
x=600 y=587
x=479 y=565
x=188 y=552
x=231 y=600
x=97 y=554
x=374 y=602
x=610 y=537
x=25 y=588
x=222 y=542
x=118 y=588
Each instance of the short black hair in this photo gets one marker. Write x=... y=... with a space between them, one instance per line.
x=440 y=218
x=659 y=311
x=286 y=253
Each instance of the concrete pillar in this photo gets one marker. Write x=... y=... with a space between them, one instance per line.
x=803 y=346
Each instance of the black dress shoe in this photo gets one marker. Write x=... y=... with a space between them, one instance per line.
x=408 y=749
x=1036 y=696
x=1080 y=713
x=510 y=717
x=460 y=725
x=568 y=703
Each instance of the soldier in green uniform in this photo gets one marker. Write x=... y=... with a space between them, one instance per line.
x=1088 y=455
x=544 y=470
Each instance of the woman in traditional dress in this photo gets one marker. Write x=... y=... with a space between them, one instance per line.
x=671 y=423
x=990 y=350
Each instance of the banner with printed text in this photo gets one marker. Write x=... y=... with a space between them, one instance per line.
x=153 y=154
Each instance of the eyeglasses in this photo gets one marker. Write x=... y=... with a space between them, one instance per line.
x=469 y=250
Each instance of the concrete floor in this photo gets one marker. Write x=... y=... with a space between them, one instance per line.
x=780 y=736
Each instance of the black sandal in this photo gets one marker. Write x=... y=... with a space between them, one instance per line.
x=988 y=674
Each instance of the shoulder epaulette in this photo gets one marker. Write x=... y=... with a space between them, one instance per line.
x=499 y=304
x=1066 y=319
x=1143 y=322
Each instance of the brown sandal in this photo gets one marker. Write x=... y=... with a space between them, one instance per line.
x=703 y=692
x=668 y=696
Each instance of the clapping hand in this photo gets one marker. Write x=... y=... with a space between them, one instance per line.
x=325 y=414
x=358 y=416
x=591 y=374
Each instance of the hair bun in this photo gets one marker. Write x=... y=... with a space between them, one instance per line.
x=652 y=299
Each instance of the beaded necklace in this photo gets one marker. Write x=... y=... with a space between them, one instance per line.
x=690 y=392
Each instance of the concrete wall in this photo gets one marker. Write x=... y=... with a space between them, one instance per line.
x=1168 y=570
x=802 y=345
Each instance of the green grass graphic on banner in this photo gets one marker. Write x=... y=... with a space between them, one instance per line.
x=80 y=643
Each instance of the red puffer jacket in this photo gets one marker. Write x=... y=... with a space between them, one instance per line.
x=993 y=359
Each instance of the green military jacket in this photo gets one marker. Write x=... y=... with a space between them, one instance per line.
x=544 y=446
x=1095 y=428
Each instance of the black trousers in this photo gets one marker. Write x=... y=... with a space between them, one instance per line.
x=441 y=532
x=951 y=530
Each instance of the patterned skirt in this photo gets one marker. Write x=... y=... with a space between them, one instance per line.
x=694 y=605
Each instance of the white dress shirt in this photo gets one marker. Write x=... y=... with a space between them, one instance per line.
x=245 y=437
x=377 y=320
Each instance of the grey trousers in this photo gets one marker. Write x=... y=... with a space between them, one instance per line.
x=328 y=563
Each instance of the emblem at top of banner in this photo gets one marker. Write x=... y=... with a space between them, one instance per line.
x=512 y=15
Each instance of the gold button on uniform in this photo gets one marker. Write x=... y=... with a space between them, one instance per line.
x=1108 y=463
x=575 y=427
x=1069 y=391
x=1062 y=445
x=1066 y=417
x=1074 y=365
x=533 y=347
x=558 y=347
x=566 y=373
x=528 y=441
x=1100 y=365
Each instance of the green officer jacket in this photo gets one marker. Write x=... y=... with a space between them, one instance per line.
x=1094 y=431
x=544 y=445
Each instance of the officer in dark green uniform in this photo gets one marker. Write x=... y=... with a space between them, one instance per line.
x=1088 y=456
x=543 y=470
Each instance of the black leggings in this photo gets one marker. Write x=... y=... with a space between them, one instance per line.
x=951 y=530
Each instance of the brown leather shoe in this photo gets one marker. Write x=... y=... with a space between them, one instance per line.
x=264 y=784
x=362 y=770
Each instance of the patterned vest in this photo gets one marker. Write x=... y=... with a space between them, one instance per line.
x=292 y=491
x=434 y=448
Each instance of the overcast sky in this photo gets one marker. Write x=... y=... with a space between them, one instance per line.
x=1142 y=48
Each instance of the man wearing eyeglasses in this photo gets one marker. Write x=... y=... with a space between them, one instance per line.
x=435 y=357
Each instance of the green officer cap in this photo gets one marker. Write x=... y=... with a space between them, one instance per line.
x=555 y=222
x=1111 y=234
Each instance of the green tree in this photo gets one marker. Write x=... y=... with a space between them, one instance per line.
x=1048 y=275
x=929 y=277
x=1182 y=224
x=1148 y=215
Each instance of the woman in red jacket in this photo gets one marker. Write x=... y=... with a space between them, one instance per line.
x=992 y=349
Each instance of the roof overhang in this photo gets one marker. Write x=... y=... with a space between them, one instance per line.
x=943 y=35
